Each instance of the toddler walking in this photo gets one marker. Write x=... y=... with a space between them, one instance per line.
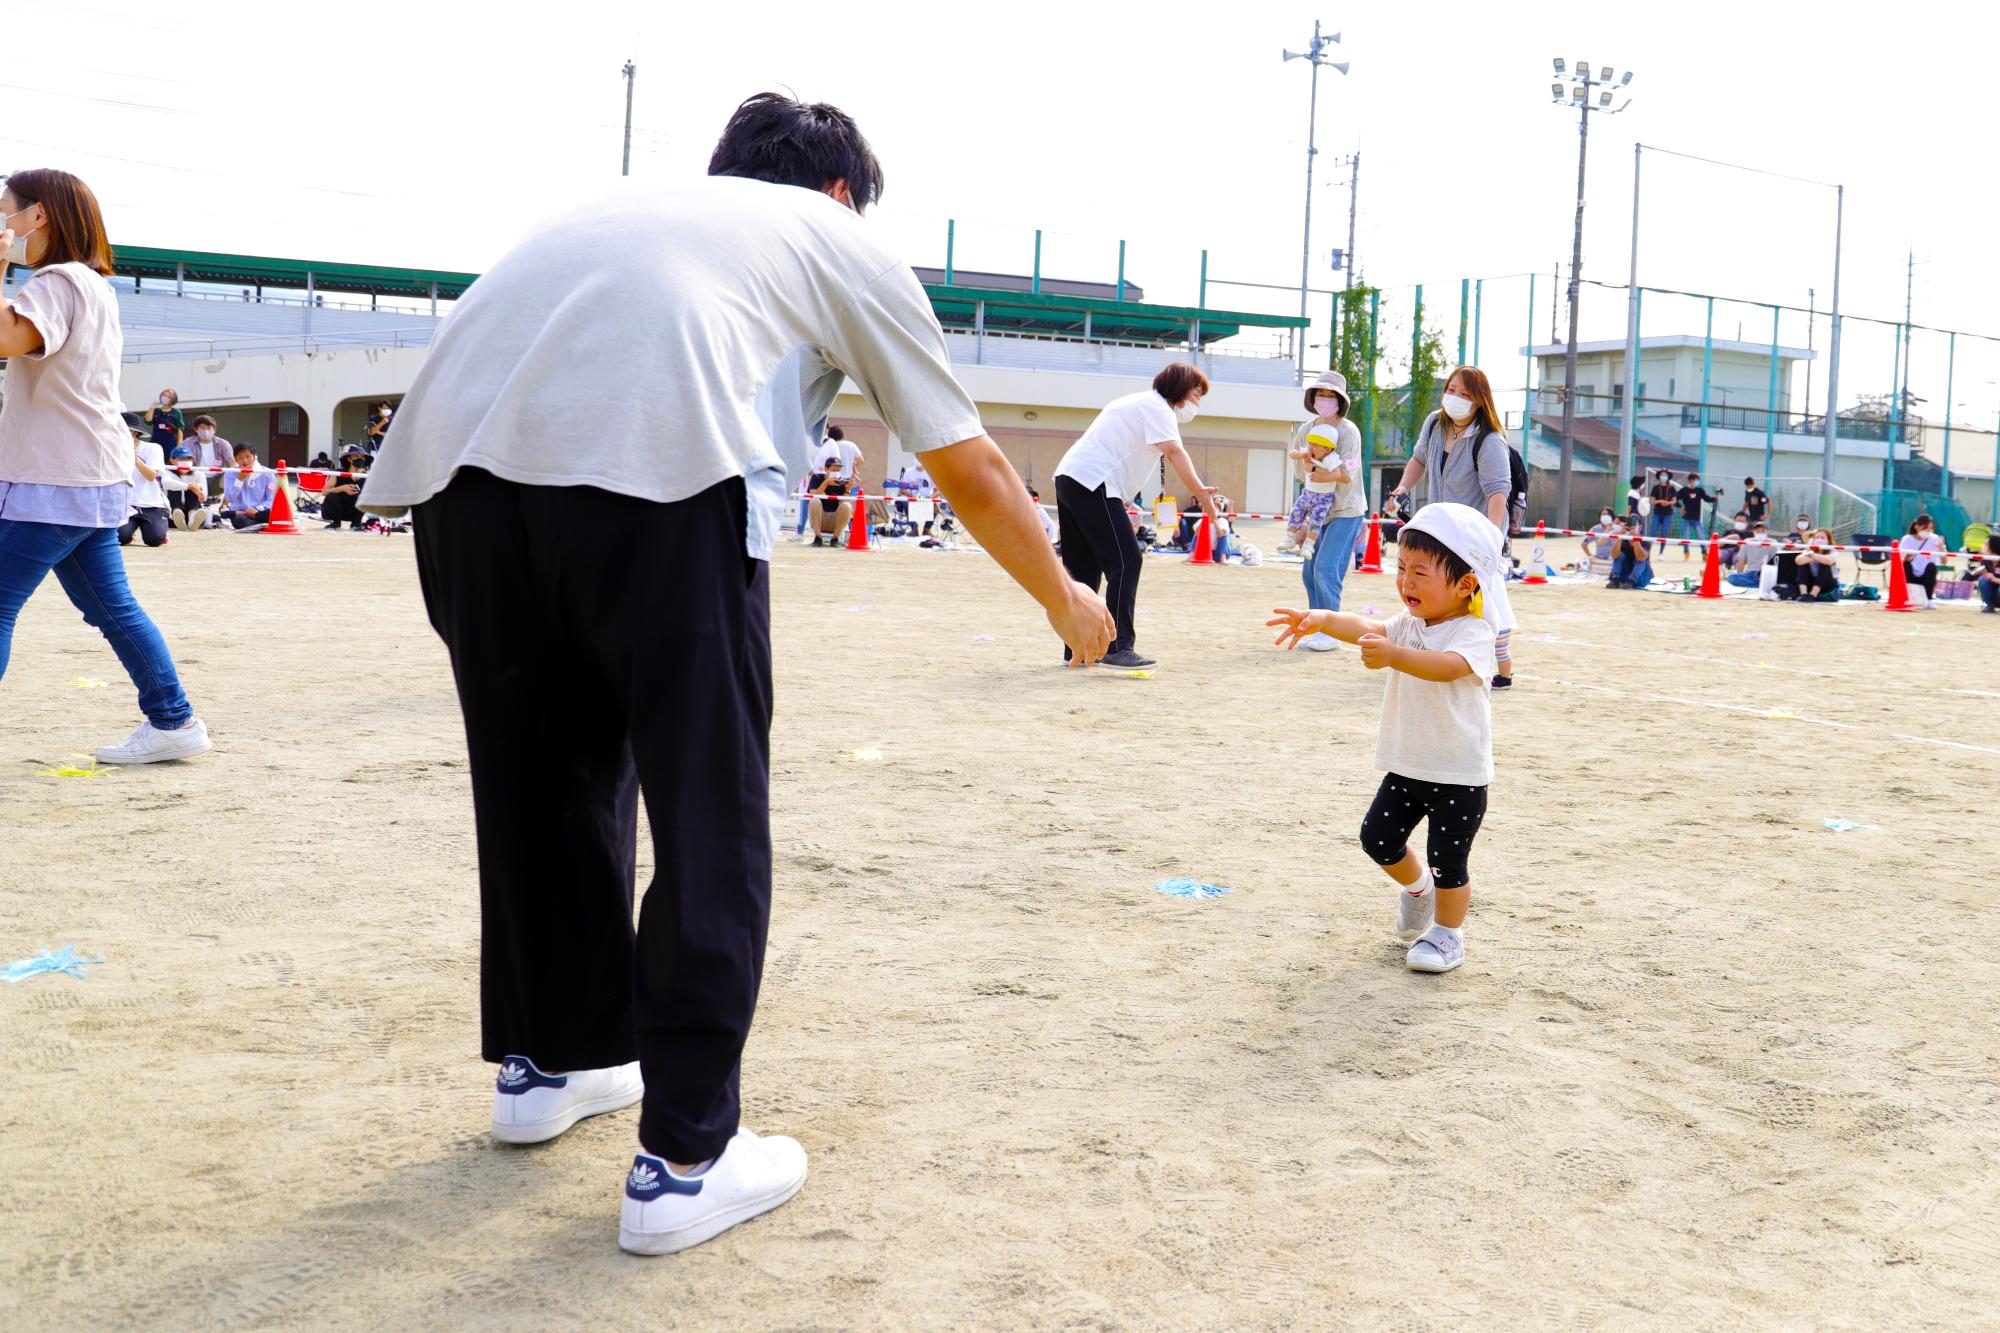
x=1435 y=745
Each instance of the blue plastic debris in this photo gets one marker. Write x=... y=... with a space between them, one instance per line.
x=1844 y=825
x=64 y=960
x=1189 y=888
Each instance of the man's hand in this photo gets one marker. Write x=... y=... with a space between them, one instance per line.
x=1376 y=651
x=1084 y=624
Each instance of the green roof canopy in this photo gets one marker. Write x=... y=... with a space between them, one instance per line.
x=957 y=306
x=138 y=261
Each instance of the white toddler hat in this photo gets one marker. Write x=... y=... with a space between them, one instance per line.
x=1471 y=536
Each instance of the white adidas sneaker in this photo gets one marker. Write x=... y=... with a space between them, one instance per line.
x=665 y=1213
x=532 y=1107
x=151 y=745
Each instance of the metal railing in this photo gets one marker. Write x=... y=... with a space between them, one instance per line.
x=274 y=344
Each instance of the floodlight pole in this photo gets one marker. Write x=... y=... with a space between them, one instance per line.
x=631 y=73
x=1563 y=476
x=1826 y=469
x=1627 y=421
x=1315 y=55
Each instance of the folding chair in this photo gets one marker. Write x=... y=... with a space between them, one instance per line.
x=1875 y=562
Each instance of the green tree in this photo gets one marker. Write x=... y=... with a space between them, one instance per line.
x=1428 y=367
x=1351 y=355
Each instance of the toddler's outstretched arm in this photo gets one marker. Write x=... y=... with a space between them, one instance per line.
x=1302 y=624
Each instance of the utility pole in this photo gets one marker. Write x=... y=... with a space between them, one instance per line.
x=1315 y=55
x=1353 y=194
x=1901 y=430
x=631 y=73
x=1811 y=314
x=1826 y=463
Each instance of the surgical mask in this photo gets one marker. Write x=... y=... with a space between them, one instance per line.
x=1742 y=527
x=205 y=433
x=1803 y=527
x=1605 y=517
x=1457 y=406
x=17 y=253
x=1187 y=411
x=1327 y=405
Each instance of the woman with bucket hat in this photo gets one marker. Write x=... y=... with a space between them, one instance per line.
x=1333 y=505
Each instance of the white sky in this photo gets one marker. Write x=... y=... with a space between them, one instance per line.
x=434 y=135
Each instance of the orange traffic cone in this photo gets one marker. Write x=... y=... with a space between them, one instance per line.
x=1538 y=556
x=1371 y=559
x=1711 y=572
x=281 y=508
x=1204 y=544
x=857 y=529
x=1899 y=588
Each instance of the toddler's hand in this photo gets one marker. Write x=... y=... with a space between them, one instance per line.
x=1375 y=651
x=1297 y=625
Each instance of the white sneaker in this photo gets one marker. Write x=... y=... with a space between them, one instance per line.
x=532 y=1107
x=1414 y=913
x=150 y=745
x=663 y=1213
x=1436 y=950
x=1319 y=643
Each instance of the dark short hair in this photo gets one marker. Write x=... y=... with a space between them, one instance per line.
x=204 y=420
x=1177 y=380
x=1749 y=481
x=1421 y=542
x=775 y=138
x=835 y=433
x=250 y=449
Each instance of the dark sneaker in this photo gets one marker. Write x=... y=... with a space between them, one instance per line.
x=1128 y=660
x=1503 y=682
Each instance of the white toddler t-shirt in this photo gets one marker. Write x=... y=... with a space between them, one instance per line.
x=1440 y=731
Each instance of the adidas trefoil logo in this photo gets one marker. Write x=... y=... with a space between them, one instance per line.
x=513 y=1073
x=643 y=1177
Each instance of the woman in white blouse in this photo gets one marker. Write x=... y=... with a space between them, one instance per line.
x=66 y=456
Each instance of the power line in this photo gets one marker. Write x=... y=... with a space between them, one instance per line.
x=1738 y=166
x=101 y=101
x=182 y=170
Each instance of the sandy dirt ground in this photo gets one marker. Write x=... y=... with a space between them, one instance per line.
x=1709 y=1065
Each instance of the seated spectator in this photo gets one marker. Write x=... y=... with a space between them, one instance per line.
x=1631 y=560
x=1919 y=550
x=187 y=491
x=1815 y=571
x=213 y=453
x=1734 y=538
x=1985 y=569
x=1751 y=557
x=325 y=464
x=832 y=515
x=149 y=497
x=1600 y=542
x=340 y=501
x=248 y=491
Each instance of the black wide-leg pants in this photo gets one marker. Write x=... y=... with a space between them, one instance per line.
x=607 y=647
x=1099 y=548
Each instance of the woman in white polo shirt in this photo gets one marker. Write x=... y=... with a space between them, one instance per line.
x=66 y=457
x=1110 y=461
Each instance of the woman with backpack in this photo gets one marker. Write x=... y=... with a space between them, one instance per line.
x=1463 y=449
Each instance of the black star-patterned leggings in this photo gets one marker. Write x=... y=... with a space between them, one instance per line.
x=1454 y=812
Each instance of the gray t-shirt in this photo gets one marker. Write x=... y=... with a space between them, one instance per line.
x=1451 y=473
x=649 y=325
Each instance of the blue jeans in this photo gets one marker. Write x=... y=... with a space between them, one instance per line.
x=91 y=569
x=1326 y=572
x=1691 y=527
x=1624 y=569
x=1660 y=523
x=1989 y=593
x=1742 y=580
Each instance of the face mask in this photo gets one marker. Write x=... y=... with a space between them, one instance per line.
x=1742 y=527
x=1327 y=405
x=1804 y=526
x=1187 y=411
x=205 y=433
x=1604 y=517
x=17 y=253
x=1457 y=406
